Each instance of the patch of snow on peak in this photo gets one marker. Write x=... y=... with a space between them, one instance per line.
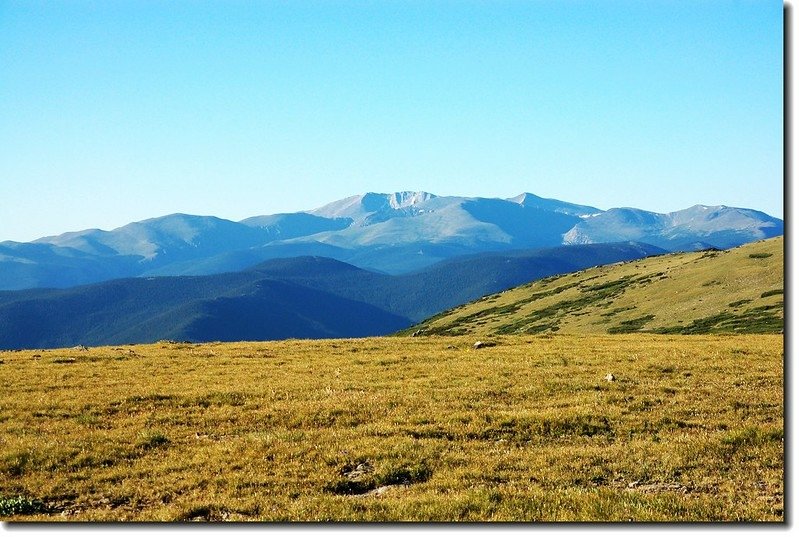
x=524 y=196
x=358 y=208
x=400 y=200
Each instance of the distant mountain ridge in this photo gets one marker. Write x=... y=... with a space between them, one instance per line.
x=393 y=233
x=301 y=297
x=721 y=227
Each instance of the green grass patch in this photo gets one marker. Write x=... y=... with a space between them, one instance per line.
x=152 y=439
x=616 y=311
x=759 y=320
x=631 y=325
x=20 y=505
x=771 y=293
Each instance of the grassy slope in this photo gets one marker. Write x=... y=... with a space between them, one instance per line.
x=691 y=429
x=732 y=291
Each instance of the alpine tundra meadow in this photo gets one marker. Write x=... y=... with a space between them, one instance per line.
x=535 y=428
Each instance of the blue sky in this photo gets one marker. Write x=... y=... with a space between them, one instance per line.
x=117 y=111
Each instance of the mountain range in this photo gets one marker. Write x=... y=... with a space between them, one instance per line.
x=300 y=297
x=395 y=233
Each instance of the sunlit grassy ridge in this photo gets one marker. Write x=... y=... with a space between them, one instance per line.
x=731 y=291
x=691 y=428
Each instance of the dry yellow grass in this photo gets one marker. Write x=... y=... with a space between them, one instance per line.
x=397 y=429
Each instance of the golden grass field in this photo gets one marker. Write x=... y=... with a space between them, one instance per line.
x=394 y=429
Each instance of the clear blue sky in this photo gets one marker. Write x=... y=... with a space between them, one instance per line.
x=117 y=111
